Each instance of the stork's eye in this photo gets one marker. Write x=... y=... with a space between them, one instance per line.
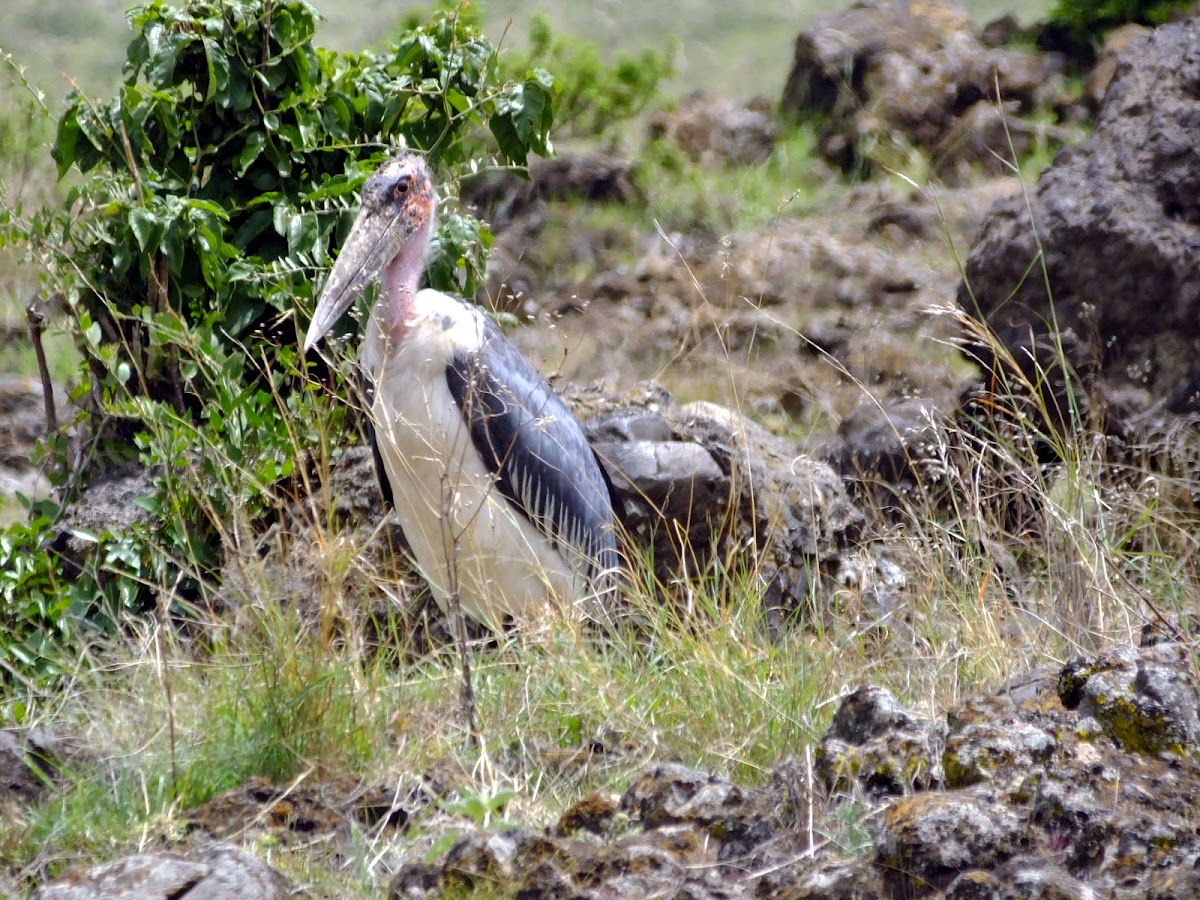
x=401 y=187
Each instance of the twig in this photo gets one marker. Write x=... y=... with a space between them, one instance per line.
x=37 y=319
x=459 y=624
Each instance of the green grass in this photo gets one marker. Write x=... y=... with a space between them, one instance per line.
x=717 y=200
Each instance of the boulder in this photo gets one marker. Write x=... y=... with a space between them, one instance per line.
x=1145 y=698
x=888 y=76
x=891 y=451
x=714 y=131
x=219 y=872
x=878 y=748
x=701 y=485
x=671 y=795
x=929 y=838
x=1096 y=265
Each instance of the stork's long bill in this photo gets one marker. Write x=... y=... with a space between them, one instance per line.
x=392 y=232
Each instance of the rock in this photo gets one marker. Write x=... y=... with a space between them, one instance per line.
x=712 y=130
x=1018 y=879
x=892 y=451
x=669 y=794
x=219 y=872
x=505 y=196
x=991 y=137
x=891 y=75
x=928 y=839
x=683 y=833
x=1038 y=800
x=1116 y=42
x=1175 y=883
x=488 y=857
x=1116 y=217
x=303 y=812
x=29 y=764
x=107 y=506
x=594 y=814
x=832 y=879
x=522 y=862
x=1145 y=698
x=696 y=481
x=877 y=746
x=986 y=744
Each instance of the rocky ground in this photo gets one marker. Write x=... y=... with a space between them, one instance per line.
x=1079 y=783
x=841 y=329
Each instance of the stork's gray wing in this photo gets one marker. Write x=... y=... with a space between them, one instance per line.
x=529 y=440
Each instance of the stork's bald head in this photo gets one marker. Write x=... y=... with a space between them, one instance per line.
x=398 y=203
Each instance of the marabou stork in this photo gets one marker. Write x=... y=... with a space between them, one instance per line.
x=502 y=500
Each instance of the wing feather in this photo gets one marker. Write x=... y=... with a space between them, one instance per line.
x=536 y=450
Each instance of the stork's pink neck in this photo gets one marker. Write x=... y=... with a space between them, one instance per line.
x=400 y=282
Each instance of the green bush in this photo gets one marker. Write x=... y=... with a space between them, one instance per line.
x=592 y=92
x=1087 y=21
x=220 y=175
x=208 y=196
x=596 y=95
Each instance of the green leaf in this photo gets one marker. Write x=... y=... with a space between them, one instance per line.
x=64 y=150
x=162 y=52
x=301 y=235
x=218 y=71
x=146 y=228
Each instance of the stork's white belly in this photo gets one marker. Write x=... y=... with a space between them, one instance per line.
x=465 y=537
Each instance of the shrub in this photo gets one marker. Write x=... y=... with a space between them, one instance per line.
x=596 y=95
x=1085 y=22
x=210 y=192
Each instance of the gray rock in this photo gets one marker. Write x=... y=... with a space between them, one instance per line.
x=31 y=761
x=877 y=746
x=832 y=879
x=1145 y=698
x=1022 y=878
x=700 y=483
x=892 y=451
x=1117 y=219
x=220 y=872
x=19 y=781
x=1038 y=802
x=927 y=839
x=712 y=130
x=990 y=745
x=669 y=794
x=887 y=76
